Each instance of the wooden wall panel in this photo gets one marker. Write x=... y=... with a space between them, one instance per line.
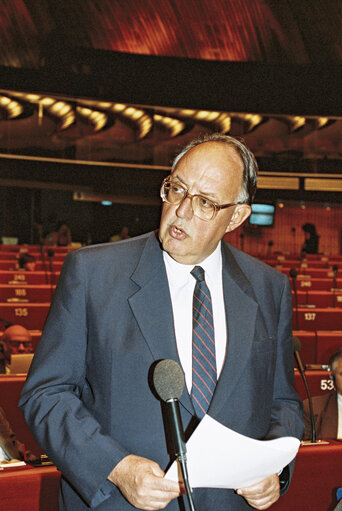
x=328 y=223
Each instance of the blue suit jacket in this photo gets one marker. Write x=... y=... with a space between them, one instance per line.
x=88 y=396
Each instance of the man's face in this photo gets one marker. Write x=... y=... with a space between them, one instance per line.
x=16 y=347
x=214 y=170
x=338 y=376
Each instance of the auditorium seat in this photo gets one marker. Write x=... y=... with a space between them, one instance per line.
x=26 y=293
x=319 y=383
x=318 y=319
x=301 y=296
x=30 y=315
x=40 y=266
x=328 y=342
x=320 y=298
x=308 y=346
x=28 y=277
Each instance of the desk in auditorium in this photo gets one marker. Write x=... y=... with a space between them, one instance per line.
x=29 y=488
x=315 y=480
x=316 y=477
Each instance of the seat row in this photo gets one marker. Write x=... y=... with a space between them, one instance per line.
x=318 y=346
x=33 y=315
x=10 y=388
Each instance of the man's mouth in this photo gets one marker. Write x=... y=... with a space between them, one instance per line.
x=177 y=232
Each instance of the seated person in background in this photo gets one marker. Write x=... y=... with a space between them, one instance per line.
x=327 y=408
x=311 y=239
x=10 y=447
x=123 y=235
x=15 y=340
x=63 y=235
x=60 y=236
x=26 y=262
x=5 y=357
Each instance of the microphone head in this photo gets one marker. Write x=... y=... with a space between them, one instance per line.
x=168 y=380
x=296 y=344
x=293 y=273
x=335 y=268
x=50 y=252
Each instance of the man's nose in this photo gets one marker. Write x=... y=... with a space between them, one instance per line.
x=184 y=209
x=21 y=348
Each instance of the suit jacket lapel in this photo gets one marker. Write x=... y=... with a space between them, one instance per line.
x=241 y=311
x=152 y=307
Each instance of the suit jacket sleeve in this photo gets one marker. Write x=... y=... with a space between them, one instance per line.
x=286 y=419
x=287 y=407
x=53 y=399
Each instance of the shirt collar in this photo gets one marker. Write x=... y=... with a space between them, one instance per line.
x=180 y=273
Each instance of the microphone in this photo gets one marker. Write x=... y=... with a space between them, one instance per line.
x=270 y=245
x=43 y=263
x=293 y=230
x=293 y=274
x=296 y=350
x=335 y=270
x=50 y=253
x=168 y=380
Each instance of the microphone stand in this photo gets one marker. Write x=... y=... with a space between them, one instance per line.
x=293 y=230
x=177 y=438
x=302 y=372
x=50 y=253
x=43 y=263
x=270 y=245
x=296 y=343
x=293 y=275
x=335 y=270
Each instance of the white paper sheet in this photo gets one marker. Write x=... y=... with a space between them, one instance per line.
x=218 y=457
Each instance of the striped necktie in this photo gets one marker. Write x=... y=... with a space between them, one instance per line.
x=204 y=375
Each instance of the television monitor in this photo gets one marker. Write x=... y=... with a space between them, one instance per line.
x=262 y=215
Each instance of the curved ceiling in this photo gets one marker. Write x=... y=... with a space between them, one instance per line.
x=34 y=33
x=271 y=31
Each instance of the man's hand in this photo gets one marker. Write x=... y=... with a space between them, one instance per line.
x=263 y=494
x=141 y=482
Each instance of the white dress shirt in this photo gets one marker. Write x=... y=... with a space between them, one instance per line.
x=339 y=416
x=182 y=285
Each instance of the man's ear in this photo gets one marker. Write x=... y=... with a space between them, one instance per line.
x=241 y=213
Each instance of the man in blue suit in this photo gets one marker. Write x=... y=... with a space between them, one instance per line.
x=121 y=307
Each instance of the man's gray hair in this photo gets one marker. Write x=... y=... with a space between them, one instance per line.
x=250 y=166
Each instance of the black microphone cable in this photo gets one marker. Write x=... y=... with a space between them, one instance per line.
x=293 y=274
x=50 y=254
x=296 y=350
x=335 y=270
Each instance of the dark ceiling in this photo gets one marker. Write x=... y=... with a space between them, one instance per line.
x=272 y=31
x=261 y=69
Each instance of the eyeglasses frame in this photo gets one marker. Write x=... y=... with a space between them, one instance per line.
x=217 y=207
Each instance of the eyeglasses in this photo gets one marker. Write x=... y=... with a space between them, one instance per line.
x=205 y=209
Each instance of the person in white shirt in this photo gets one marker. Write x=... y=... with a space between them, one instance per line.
x=120 y=307
x=327 y=408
